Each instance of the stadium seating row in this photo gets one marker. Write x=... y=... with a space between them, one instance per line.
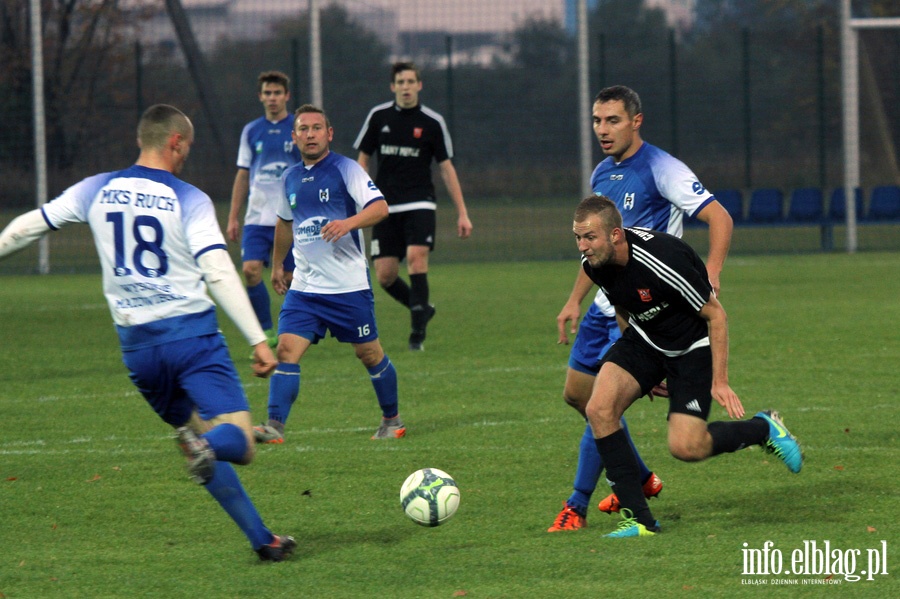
x=807 y=206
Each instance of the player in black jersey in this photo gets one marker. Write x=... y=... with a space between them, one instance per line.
x=407 y=136
x=673 y=328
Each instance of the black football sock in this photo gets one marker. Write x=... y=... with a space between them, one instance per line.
x=398 y=290
x=732 y=436
x=624 y=474
x=418 y=301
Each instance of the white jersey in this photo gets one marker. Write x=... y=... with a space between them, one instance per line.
x=334 y=188
x=266 y=150
x=149 y=228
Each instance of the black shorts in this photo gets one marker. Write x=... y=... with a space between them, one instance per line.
x=689 y=376
x=393 y=235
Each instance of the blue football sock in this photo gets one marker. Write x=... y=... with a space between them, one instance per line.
x=283 y=390
x=228 y=442
x=645 y=472
x=384 y=379
x=226 y=488
x=588 y=473
x=259 y=299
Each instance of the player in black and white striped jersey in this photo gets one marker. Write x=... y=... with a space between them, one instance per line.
x=674 y=328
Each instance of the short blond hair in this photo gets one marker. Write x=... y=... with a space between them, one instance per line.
x=158 y=122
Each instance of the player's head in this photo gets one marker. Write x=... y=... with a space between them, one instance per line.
x=598 y=229
x=312 y=133
x=274 y=93
x=163 y=129
x=617 y=119
x=406 y=83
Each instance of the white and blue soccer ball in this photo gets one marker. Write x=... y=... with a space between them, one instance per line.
x=429 y=496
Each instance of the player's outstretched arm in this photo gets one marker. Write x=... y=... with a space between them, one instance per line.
x=571 y=311
x=451 y=182
x=714 y=314
x=239 y=191
x=227 y=290
x=22 y=232
x=721 y=226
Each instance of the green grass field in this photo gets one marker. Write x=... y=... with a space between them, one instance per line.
x=95 y=503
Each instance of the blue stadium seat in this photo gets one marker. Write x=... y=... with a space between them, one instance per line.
x=807 y=205
x=838 y=210
x=733 y=201
x=766 y=206
x=884 y=203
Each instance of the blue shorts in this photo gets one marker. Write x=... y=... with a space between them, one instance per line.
x=180 y=376
x=596 y=334
x=349 y=316
x=256 y=244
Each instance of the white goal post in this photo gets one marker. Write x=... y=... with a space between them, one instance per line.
x=850 y=90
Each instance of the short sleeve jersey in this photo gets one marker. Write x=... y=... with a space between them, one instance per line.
x=149 y=228
x=334 y=188
x=406 y=141
x=663 y=286
x=266 y=149
x=652 y=189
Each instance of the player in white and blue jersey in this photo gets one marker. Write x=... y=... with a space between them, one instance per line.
x=265 y=151
x=654 y=190
x=327 y=200
x=161 y=253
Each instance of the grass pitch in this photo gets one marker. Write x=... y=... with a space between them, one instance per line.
x=95 y=502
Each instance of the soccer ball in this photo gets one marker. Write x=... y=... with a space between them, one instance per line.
x=429 y=496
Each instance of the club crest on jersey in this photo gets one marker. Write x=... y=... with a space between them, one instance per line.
x=628 y=204
x=645 y=295
x=323 y=195
x=417 y=132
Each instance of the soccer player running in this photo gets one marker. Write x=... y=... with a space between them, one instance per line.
x=674 y=328
x=161 y=250
x=327 y=200
x=407 y=136
x=654 y=190
x=265 y=151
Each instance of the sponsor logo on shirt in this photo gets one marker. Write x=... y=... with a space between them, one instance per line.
x=271 y=172
x=698 y=188
x=259 y=147
x=310 y=230
x=616 y=177
x=292 y=200
x=651 y=313
x=405 y=151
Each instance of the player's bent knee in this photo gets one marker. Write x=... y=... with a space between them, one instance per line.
x=689 y=450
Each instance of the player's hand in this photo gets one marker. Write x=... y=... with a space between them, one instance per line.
x=279 y=281
x=660 y=390
x=463 y=227
x=728 y=399
x=264 y=361
x=334 y=230
x=569 y=314
x=234 y=229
